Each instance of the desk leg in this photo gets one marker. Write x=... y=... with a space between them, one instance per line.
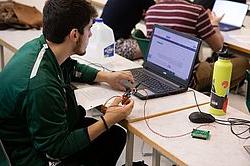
x=2 y=57
x=129 y=148
x=156 y=158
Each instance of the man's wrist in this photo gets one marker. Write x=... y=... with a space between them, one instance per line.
x=101 y=76
x=105 y=123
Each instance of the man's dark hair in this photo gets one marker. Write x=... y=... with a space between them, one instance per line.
x=61 y=16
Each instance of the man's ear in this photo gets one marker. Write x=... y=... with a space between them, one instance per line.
x=74 y=35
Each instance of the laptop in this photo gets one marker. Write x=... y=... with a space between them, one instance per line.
x=234 y=14
x=169 y=66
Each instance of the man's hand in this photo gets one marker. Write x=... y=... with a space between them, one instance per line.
x=117 y=112
x=115 y=79
x=113 y=114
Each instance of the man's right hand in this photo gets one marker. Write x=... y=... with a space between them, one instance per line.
x=117 y=112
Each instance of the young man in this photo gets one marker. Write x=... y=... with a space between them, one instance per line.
x=122 y=16
x=194 y=19
x=39 y=116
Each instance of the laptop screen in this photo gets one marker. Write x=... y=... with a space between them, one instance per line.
x=234 y=12
x=173 y=51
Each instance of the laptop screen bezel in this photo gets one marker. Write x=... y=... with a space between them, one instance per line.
x=162 y=72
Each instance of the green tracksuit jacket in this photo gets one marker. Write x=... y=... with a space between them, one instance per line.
x=37 y=111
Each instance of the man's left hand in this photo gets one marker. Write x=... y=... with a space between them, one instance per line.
x=115 y=79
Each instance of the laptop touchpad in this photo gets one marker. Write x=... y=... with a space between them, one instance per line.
x=145 y=92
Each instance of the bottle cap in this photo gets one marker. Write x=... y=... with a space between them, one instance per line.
x=223 y=53
x=98 y=20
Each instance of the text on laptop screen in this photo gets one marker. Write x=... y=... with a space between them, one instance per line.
x=172 y=52
x=234 y=13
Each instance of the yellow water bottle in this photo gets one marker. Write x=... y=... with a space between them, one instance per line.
x=221 y=84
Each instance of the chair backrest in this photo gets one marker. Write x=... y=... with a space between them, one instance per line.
x=142 y=41
x=4 y=159
x=248 y=90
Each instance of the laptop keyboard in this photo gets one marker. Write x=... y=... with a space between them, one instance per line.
x=226 y=27
x=155 y=85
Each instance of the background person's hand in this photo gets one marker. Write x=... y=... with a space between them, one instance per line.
x=215 y=20
x=117 y=112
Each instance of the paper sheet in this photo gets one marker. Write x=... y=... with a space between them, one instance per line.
x=91 y=96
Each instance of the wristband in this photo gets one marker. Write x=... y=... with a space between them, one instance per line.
x=104 y=122
x=215 y=26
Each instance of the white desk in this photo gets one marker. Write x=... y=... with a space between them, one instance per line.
x=239 y=40
x=222 y=149
x=14 y=39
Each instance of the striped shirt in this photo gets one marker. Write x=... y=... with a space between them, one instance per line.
x=181 y=16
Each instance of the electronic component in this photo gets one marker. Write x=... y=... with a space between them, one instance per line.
x=200 y=134
x=126 y=96
x=129 y=92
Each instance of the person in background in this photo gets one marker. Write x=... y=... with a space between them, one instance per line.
x=39 y=115
x=193 y=19
x=122 y=16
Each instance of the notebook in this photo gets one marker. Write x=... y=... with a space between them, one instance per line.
x=234 y=14
x=170 y=60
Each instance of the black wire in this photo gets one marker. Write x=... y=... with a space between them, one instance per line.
x=196 y=102
x=236 y=122
x=105 y=103
x=96 y=64
x=99 y=65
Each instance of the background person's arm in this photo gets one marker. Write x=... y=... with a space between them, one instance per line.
x=216 y=40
